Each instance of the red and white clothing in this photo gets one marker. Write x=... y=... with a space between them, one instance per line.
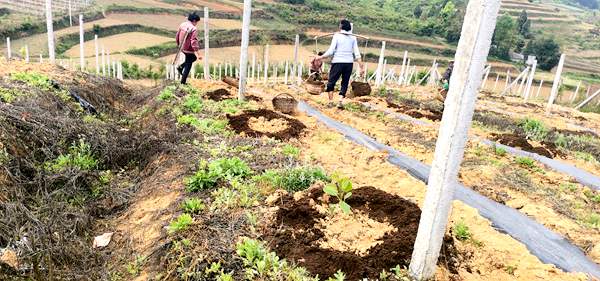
x=191 y=45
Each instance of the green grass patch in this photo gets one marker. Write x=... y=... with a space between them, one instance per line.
x=499 y=151
x=292 y=180
x=525 y=162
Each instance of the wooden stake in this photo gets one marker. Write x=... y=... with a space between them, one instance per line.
x=50 y=31
x=244 y=49
x=206 y=45
x=470 y=58
x=554 y=91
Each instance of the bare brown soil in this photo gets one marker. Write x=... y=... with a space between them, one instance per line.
x=295 y=234
x=242 y=124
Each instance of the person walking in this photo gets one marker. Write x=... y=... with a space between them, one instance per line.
x=344 y=49
x=189 y=45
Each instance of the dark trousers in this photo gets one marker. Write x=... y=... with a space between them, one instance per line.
x=338 y=70
x=187 y=66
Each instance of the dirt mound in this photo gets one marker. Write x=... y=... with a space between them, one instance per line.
x=259 y=123
x=296 y=235
x=548 y=149
x=359 y=89
x=219 y=95
x=432 y=115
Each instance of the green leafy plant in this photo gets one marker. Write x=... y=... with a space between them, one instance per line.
x=9 y=95
x=239 y=195
x=290 y=150
x=294 y=179
x=80 y=156
x=593 y=220
x=192 y=206
x=33 y=79
x=193 y=103
x=461 y=231
x=510 y=269
x=340 y=187
x=182 y=222
x=134 y=268
x=167 y=94
x=261 y=264
x=338 y=276
x=534 y=129
x=209 y=174
x=526 y=162
x=188 y=119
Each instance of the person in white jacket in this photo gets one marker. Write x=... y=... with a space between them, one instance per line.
x=344 y=49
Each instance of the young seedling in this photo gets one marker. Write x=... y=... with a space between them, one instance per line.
x=181 y=223
x=341 y=188
x=192 y=206
x=461 y=231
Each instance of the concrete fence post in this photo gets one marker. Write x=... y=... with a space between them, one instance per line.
x=379 y=73
x=26 y=53
x=403 y=69
x=206 y=45
x=8 y=49
x=266 y=65
x=244 y=48
x=96 y=53
x=496 y=83
x=50 y=31
x=471 y=54
x=530 y=80
x=556 y=84
x=81 y=41
x=574 y=95
x=70 y=13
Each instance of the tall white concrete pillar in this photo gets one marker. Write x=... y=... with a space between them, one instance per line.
x=206 y=45
x=379 y=73
x=50 y=31
x=81 y=42
x=244 y=48
x=556 y=85
x=470 y=59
